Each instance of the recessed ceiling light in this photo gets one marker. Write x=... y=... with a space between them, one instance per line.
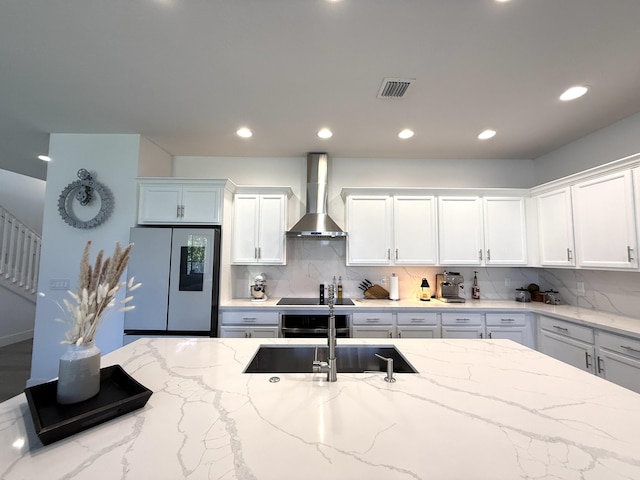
x=244 y=132
x=325 y=133
x=574 y=92
x=406 y=133
x=503 y=1
x=487 y=134
x=44 y=158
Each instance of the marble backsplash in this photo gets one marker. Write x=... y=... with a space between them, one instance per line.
x=311 y=262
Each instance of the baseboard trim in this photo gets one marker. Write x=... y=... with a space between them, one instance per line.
x=15 y=338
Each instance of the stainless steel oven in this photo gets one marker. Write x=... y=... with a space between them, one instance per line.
x=295 y=325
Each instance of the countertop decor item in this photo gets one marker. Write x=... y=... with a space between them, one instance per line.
x=79 y=368
x=119 y=394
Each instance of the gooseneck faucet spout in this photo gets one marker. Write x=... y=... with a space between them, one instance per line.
x=330 y=366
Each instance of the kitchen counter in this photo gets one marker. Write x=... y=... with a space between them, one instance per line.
x=489 y=409
x=608 y=321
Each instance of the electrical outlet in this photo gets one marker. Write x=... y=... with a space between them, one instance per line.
x=507 y=282
x=580 y=288
x=59 y=284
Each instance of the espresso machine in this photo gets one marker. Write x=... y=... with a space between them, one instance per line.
x=448 y=285
x=258 y=288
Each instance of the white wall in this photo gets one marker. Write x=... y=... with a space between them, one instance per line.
x=24 y=197
x=603 y=146
x=114 y=159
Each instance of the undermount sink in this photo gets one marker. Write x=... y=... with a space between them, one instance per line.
x=350 y=359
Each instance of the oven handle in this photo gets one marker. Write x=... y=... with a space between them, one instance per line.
x=313 y=330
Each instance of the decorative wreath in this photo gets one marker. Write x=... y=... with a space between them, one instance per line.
x=84 y=191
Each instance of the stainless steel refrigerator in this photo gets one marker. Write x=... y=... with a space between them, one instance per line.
x=179 y=270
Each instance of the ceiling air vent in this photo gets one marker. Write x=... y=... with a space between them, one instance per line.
x=394 y=87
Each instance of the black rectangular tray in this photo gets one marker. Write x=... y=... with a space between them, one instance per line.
x=119 y=394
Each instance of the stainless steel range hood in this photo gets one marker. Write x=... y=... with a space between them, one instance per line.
x=316 y=223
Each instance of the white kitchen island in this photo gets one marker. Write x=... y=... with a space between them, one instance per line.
x=478 y=409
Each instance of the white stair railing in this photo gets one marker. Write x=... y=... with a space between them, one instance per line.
x=19 y=253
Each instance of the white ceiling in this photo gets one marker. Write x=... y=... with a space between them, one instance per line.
x=187 y=73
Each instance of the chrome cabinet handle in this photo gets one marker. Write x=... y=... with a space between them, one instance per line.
x=587 y=357
x=488 y=255
x=373 y=320
x=480 y=254
x=259 y=253
x=182 y=211
x=488 y=335
x=561 y=328
x=249 y=319
x=390 y=334
x=396 y=253
x=417 y=320
x=569 y=256
x=399 y=334
x=462 y=319
x=255 y=253
x=629 y=253
x=481 y=335
x=177 y=211
x=507 y=319
x=388 y=254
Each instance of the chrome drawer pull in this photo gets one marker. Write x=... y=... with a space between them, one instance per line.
x=462 y=319
x=373 y=320
x=249 y=319
x=600 y=365
x=417 y=320
x=626 y=347
x=561 y=328
x=587 y=357
x=508 y=319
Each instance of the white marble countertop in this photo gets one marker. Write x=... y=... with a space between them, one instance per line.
x=478 y=409
x=608 y=321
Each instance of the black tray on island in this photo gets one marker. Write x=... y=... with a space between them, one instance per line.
x=119 y=394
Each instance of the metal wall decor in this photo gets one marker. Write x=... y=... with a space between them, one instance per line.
x=84 y=191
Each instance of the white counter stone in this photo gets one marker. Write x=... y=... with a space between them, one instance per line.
x=478 y=409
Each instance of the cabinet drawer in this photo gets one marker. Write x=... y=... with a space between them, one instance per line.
x=462 y=318
x=619 y=343
x=417 y=318
x=506 y=319
x=567 y=329
x=249 y=317
x=372 y=318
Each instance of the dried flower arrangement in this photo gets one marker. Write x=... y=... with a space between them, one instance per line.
x=97 y=287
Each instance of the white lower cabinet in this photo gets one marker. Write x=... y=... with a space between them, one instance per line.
x=248 y=332
x=513 y=326
x=462 y=325
x=417 y=325
x=618 y=359
x=568 y=342
x=372 y=325
x=249 y=324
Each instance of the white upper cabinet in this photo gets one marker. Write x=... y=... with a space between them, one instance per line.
x=555 y=228
x=505 y=235
x=178 y=201
x=391 y=230
x=460 y=239
x=482 y=231
x=259 y=224
x=414 y=230
x=369 y=227
x=604 y=216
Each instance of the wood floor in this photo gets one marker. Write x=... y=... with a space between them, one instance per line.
x=15 y=368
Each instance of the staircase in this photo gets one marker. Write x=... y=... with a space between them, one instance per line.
x=19 y=256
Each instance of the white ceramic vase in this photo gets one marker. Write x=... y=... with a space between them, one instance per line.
x=79 y=373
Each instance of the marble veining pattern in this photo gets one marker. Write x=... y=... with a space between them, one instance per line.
x=478 y=409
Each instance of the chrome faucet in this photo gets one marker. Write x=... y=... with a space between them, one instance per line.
x=330 y=366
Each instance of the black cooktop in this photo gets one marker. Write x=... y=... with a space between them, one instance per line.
x=312 y=301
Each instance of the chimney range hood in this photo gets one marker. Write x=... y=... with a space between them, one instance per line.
x=316 y=223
